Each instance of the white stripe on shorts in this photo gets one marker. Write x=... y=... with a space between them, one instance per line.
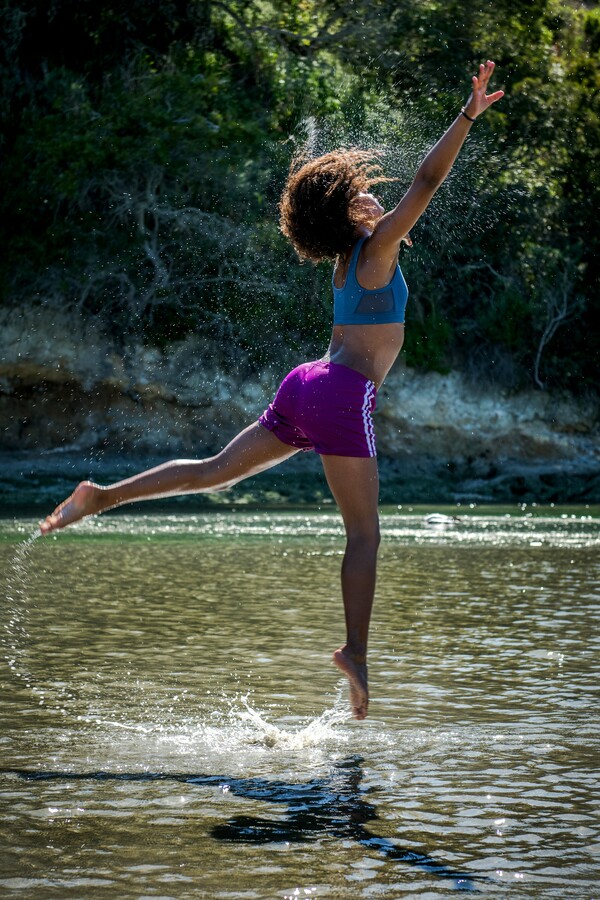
x=368 y=420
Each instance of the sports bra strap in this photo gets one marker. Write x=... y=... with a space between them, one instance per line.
x=354 y=261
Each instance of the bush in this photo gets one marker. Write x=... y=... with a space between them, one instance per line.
x=144 y=149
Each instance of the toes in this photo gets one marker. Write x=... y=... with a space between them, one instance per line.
x=51 y=522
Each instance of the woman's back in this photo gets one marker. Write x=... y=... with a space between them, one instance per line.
x=370 y=349
x=368 y=330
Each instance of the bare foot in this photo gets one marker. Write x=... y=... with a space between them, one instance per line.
x=356 y=673
x=82 y=502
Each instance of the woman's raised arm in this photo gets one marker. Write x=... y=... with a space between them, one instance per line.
x=396 y=224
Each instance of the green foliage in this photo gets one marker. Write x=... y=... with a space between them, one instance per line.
x=144 y=147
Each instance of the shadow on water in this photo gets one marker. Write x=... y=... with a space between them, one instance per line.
x=333 y=806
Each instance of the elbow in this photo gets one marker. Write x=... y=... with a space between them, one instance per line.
x=429 y=179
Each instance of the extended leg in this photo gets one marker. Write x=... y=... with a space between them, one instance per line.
x=354 y=484
x=253 y=450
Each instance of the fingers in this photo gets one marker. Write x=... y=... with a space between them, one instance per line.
x=484 y=74
x=480 y=84
x=487 y=70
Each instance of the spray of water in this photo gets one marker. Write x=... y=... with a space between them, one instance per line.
x=314 y=733
x=15 y=634
x=233 y=725
x=402 y=136
x=15 y=628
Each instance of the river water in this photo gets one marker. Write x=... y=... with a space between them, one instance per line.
x=173 y=728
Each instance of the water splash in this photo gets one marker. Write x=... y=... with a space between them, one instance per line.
x=314 y=734
x=402 y=136
x=15 y=632
x=15 y=638
x=233 y=726
x=311 y=132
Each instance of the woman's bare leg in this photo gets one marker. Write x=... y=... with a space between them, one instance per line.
x=354 y=484
x=253 y=450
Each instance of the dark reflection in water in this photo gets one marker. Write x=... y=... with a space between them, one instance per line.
x=333 y=806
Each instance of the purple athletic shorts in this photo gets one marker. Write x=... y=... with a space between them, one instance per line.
x=325 y=407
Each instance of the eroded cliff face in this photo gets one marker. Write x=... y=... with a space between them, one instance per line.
x=64 y=385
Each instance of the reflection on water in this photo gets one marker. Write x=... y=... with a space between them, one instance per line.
x=173 y=726
x=332 y=806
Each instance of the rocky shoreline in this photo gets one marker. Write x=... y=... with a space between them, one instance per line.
x=74 y=405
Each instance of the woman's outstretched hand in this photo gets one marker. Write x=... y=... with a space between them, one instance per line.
x=479 y=101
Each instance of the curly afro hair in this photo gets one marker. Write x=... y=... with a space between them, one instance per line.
x=315 y=207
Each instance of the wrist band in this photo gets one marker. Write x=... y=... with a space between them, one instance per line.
x=466 y=115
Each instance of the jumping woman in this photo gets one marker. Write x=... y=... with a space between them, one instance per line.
x=327 y=212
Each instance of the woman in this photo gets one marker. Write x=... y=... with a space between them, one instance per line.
x=327 y=212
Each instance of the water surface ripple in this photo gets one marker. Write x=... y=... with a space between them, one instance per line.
x=172 y=725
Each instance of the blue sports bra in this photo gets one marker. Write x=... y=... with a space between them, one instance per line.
x=355 y=305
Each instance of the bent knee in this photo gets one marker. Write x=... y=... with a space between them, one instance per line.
x=367 y=538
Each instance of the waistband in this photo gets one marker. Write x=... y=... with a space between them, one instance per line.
x=340 y=366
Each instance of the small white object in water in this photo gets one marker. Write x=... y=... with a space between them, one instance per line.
x=439 y=520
